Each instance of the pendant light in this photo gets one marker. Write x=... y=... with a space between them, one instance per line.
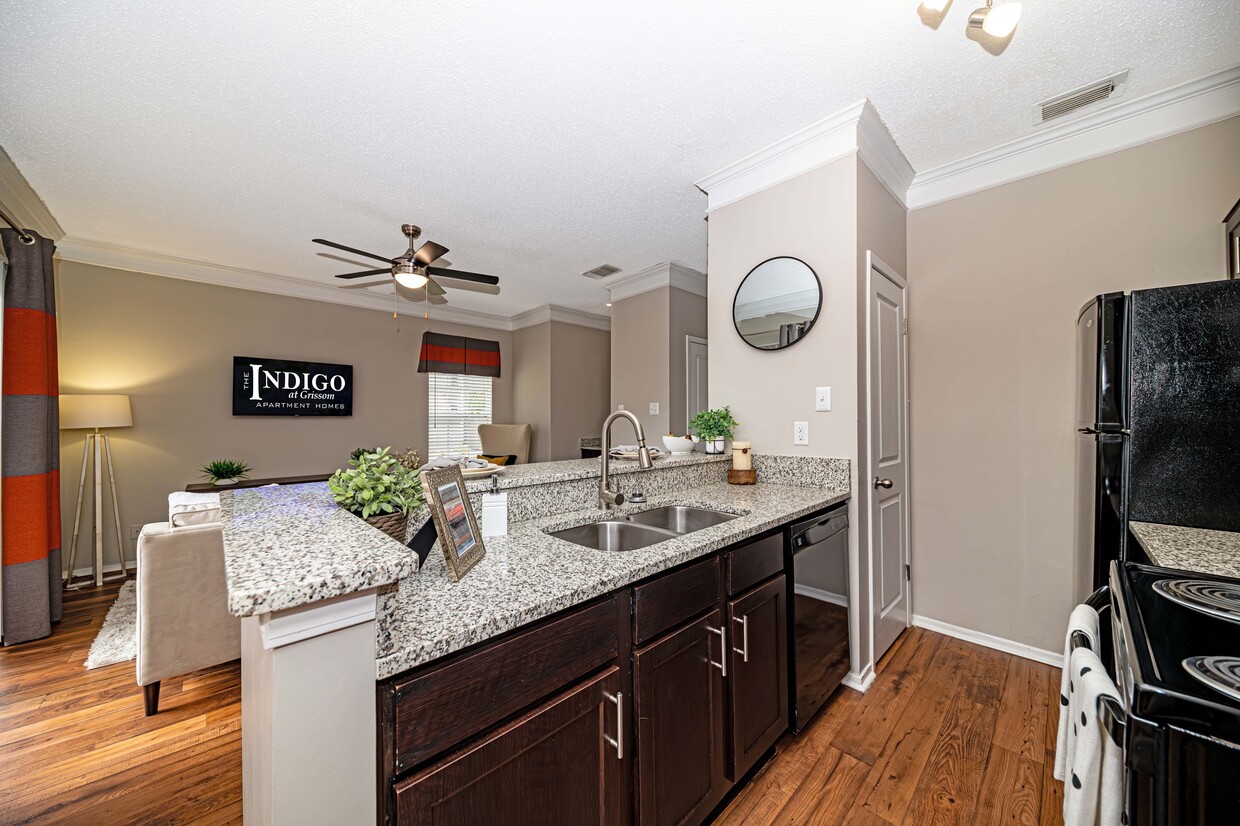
x=997 y=21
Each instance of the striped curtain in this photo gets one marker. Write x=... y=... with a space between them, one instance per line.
x=458 y=354
x=30 y=443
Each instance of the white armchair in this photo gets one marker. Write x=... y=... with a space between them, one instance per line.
x=183 y=619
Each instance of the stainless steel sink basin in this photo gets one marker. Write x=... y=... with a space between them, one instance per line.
x=681 y=518
x=641 y=530
x=615 y=535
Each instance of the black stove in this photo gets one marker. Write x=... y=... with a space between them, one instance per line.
x=1176 y=644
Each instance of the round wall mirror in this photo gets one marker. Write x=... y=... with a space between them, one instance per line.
x=777 y=303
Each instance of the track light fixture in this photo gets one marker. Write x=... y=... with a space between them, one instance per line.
x=997 y=21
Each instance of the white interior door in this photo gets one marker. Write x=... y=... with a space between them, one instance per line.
x=696 y=360
x=887 y=487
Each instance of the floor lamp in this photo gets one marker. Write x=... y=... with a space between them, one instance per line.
x=96 y=413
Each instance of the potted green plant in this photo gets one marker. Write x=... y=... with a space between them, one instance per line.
x=714 y=428
x=225 y=471
x=379 y=489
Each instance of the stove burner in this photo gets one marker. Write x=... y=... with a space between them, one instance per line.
x=1218 y=599
x=1220 y=673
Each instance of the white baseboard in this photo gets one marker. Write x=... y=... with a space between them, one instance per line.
x=861 y=682
x=108 y=569
x=821 y=595
x=990 y=641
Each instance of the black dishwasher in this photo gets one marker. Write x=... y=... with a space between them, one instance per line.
x=816 y=564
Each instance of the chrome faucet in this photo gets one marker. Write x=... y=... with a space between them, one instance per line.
x=607 y=497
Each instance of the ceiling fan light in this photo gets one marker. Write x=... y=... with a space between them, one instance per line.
x=411 y=280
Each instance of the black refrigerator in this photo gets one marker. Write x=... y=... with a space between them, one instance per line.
x=1157 y=417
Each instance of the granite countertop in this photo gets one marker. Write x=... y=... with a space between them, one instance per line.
x=290 y=545
x=541 y=473
x=1190 y=549
x=528 y=575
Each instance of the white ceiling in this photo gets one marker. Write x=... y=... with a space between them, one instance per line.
x=535 y=140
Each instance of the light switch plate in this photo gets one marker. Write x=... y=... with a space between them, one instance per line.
x=822 y=399
x=654 y=408
x=800 y=433
x=619 y=407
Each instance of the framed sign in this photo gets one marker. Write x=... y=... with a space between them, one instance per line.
x=277 y=387
x=458 y=531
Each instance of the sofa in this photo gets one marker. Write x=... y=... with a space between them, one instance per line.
x=182 y=599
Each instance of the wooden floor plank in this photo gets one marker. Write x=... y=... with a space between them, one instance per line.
x=76 y=747
x=1021 y=726
x=1011 y=790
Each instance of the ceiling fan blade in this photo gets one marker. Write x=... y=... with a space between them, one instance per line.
x=364 y=273
x=428 y=252
x=460 y=275
x=350 y=261
x=363 y=286
x=433 y=286
x=470 y=286
x=351 y=249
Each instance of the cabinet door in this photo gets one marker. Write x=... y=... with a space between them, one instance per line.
x=757 y=672
x=678 y=690
x=558 y=765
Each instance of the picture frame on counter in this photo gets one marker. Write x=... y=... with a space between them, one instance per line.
x=460 y=535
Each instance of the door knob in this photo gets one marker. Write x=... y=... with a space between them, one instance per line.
x=882 y=483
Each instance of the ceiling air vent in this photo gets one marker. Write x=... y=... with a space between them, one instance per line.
x=1085 y=97
x=601 y=271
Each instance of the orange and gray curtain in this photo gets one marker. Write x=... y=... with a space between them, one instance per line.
x=457 y=354
x=30 y=443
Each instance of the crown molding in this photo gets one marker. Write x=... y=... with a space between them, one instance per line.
x=1122 y=126
x=564 y=315
x=666 y=274
x=23 y=204
x=99 y=253
x=857 y=129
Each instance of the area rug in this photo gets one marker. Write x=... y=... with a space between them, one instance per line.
x=117 y=640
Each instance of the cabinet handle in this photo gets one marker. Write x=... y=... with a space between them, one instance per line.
x=744 y=649
x=722 y=665
x=617 y=742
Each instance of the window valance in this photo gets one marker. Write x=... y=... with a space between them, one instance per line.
x=457 y=354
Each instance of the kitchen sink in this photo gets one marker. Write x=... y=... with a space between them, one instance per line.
x=640 y=530
x=681 y=518
x=615 y=535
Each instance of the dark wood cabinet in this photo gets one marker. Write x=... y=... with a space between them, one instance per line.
x=559 y=765
x=757 y=673
x=1232 y=225
x=680 y=708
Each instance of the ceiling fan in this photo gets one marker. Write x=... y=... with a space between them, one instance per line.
x=413 y=269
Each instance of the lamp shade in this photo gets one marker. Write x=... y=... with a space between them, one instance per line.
x=77 y=412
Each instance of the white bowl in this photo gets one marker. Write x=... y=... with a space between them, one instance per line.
x=678 y=445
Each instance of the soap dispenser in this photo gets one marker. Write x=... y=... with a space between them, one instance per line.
x=494 y=511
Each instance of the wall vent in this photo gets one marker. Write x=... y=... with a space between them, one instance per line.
x=1085 y=97
x=601 y=271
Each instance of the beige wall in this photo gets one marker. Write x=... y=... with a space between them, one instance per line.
x=813 y=217
x=686 y=317
x=563 y=378
x=997 y=279
x=640 y=369
x=580 y=386
x=169 y=344
x=531 y=394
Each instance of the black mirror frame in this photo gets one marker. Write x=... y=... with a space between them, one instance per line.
x=813 y=321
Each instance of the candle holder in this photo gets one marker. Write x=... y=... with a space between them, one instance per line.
x=741 y=472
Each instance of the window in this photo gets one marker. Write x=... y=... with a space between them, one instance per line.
x=458 y=404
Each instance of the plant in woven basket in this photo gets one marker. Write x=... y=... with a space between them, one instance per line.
x=221 y=470
x=376 y=483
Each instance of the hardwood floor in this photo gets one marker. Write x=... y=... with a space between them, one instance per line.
x=75 y=746
x=949 y=733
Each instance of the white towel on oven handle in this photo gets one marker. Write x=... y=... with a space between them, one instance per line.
x=1093 y=781
x=1085 y=620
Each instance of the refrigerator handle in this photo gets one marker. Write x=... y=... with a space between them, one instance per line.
x=1088 y=430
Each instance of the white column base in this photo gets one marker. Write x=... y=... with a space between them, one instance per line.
x=308 y=728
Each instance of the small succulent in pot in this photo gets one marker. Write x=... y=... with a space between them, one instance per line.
x=358 y=452
x=379 y=489
x=714 y=428
x=225 y=471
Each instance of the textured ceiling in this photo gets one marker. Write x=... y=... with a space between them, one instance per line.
x=536 y=140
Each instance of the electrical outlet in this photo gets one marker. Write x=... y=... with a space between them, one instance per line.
x=134 y=530
x=822 y=399
x=619 y=407
x=654 y=408
x=800 y=433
